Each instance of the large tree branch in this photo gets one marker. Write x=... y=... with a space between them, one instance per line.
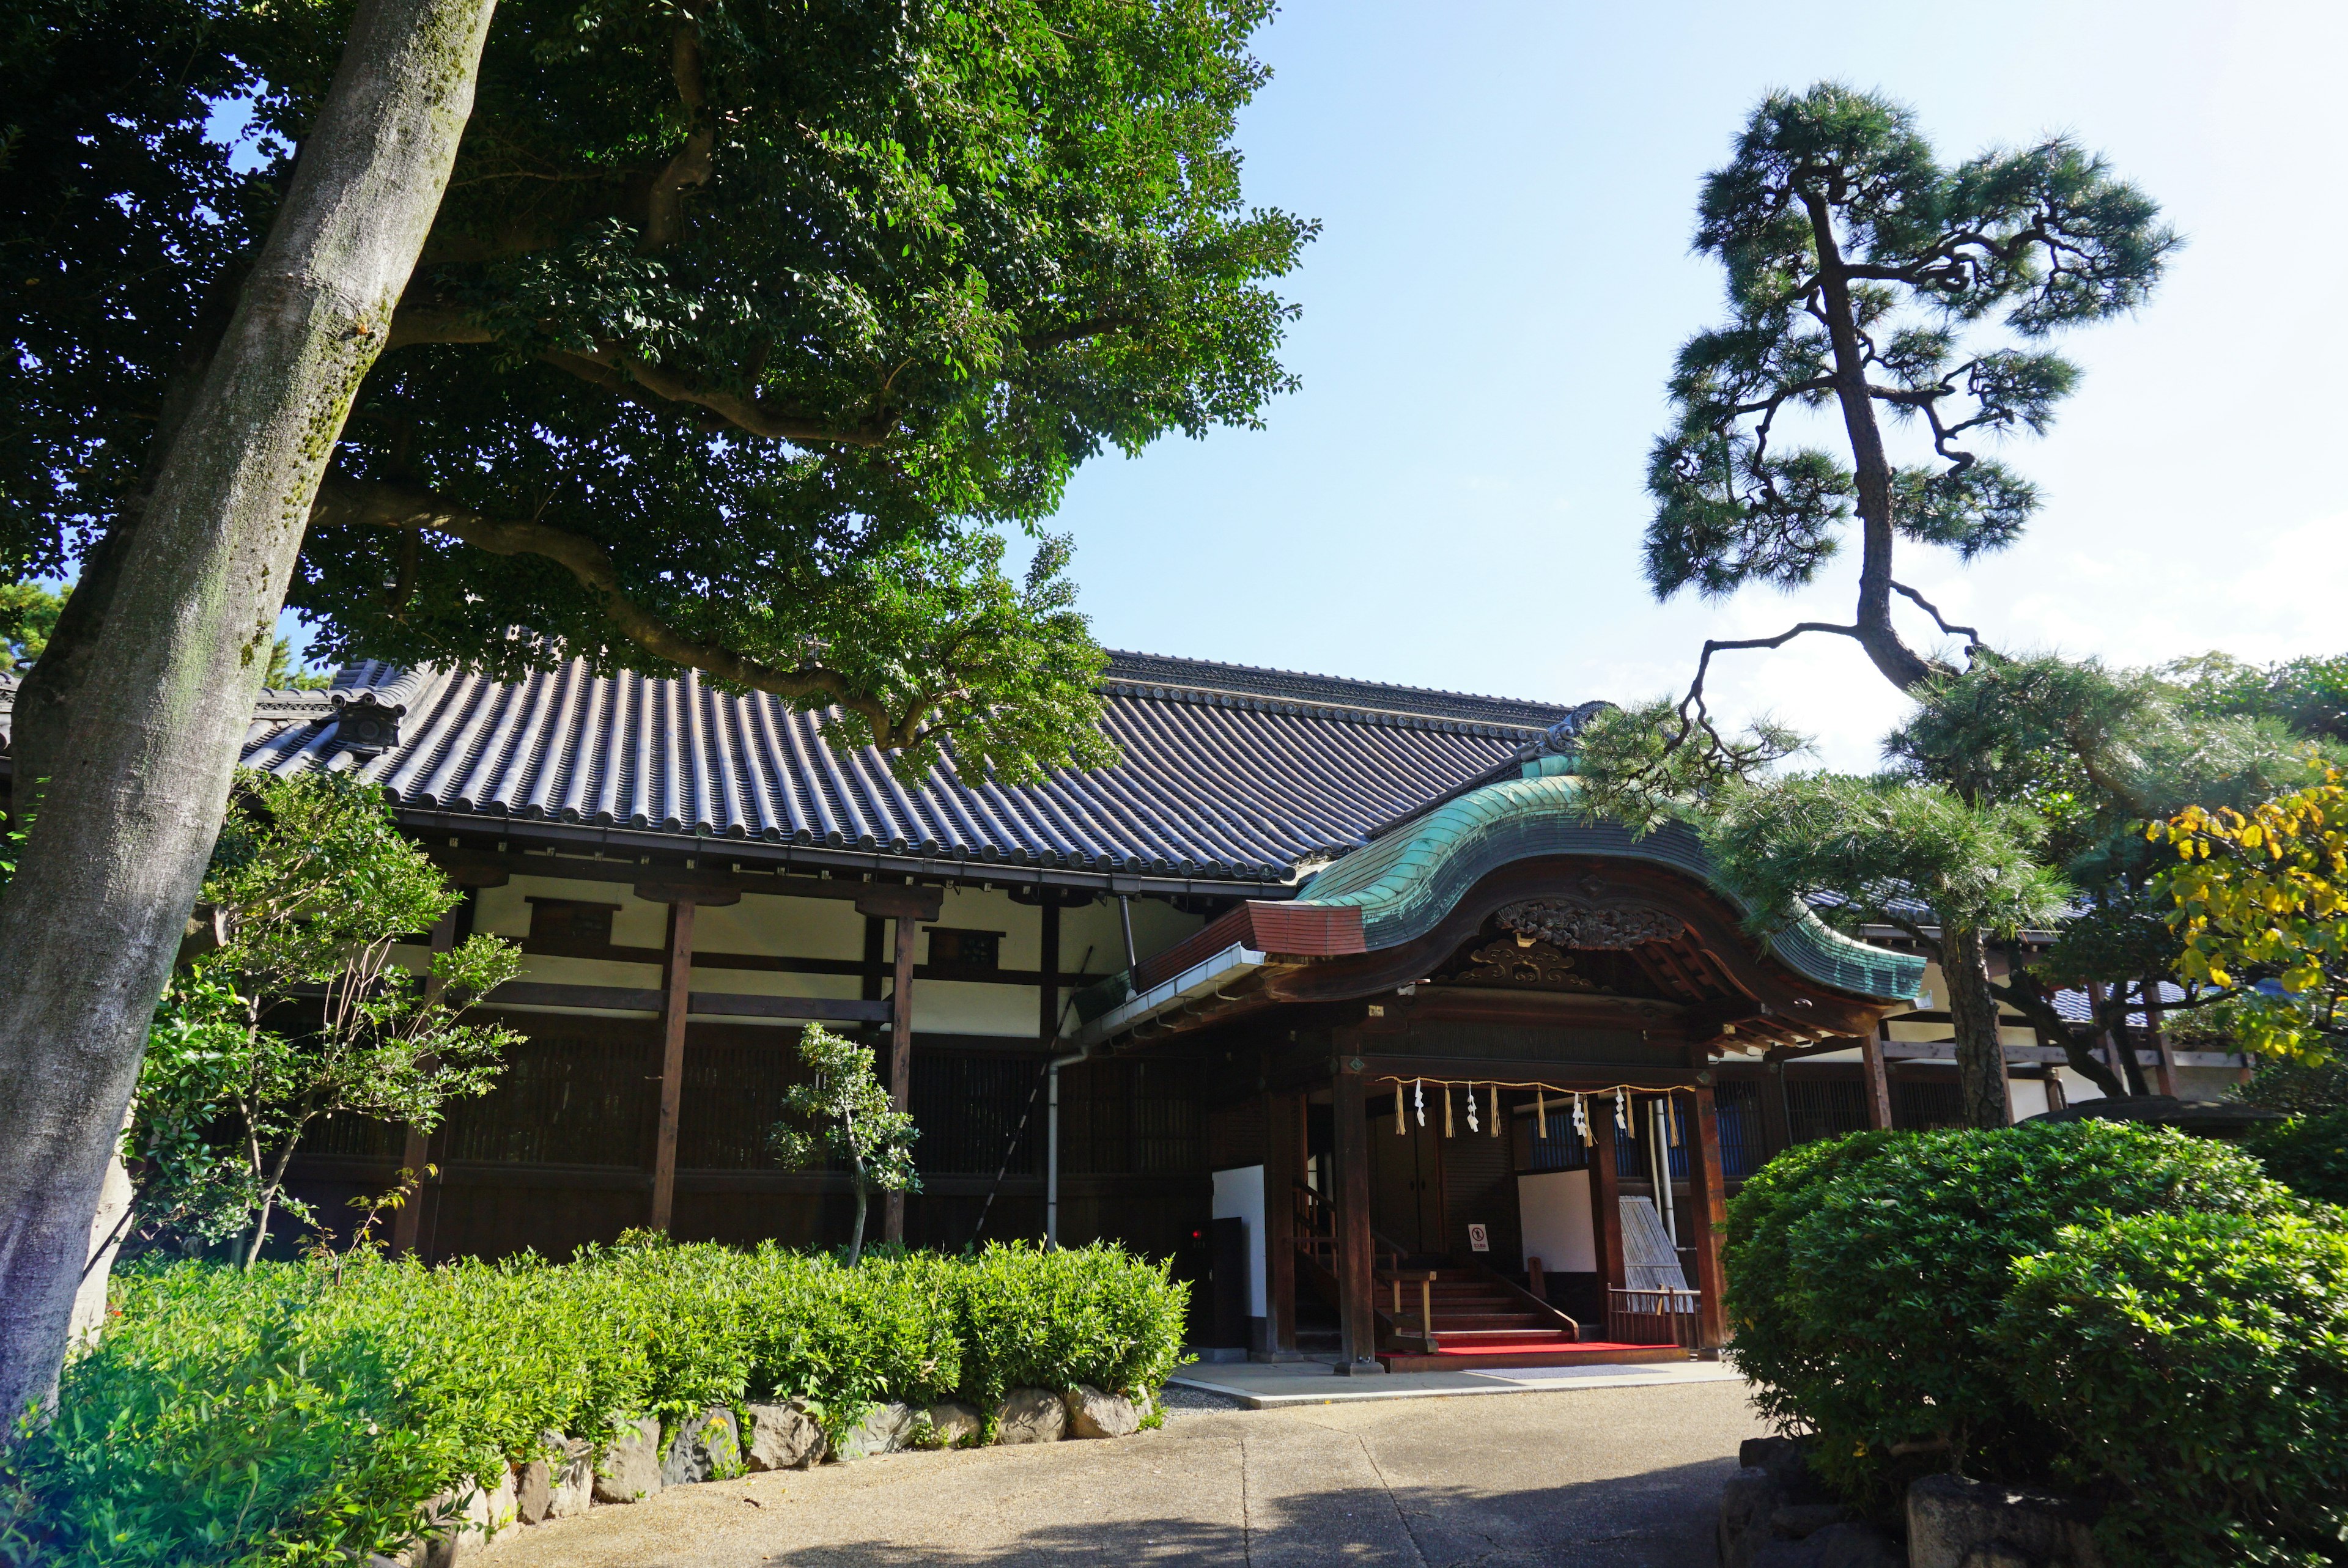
x=691 y=165
x=607 y=367
x=366 y=504
x=1693 y=713
x=1971 y=634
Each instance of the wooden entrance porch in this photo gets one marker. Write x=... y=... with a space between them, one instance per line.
x=1389 y=1245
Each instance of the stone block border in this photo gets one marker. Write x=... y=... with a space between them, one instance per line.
x=722 y=1442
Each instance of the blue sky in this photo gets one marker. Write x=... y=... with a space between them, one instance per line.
x=1455 y=497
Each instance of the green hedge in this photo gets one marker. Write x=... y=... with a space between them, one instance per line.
x=2309 y=1154
x=293 y=1413
x=1867 y=1278
x=2196 y=1366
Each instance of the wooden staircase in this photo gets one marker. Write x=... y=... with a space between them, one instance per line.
x=1481 y=1319
x=1438 y=1316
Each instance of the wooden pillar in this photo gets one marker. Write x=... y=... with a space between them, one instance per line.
x=1708 y=1204
x=1284 y=1168
x=1606 y=1191
x=415 y=1152
x=1356 y=1316
x=1047 y=1016
x=1878 y=1081
x=679 y=986
x=2113 y=1044
x=2165 y=1055
x=901 y=1059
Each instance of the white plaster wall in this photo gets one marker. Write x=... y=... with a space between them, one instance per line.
x=1157 y=925
x=971 y=1006
x=776 y=927
x=2029 y=1097
x=1239 y=1195
x=1554 y=1206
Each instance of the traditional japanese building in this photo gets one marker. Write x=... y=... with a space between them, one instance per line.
x=1336 y=964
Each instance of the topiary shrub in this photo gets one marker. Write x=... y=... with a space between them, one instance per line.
x=2309 y=1154
x=2197 y=1366
x=1867 y=1283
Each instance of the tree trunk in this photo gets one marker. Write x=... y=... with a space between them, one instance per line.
x=856 y=1236
x=130 y=790
x=105 y=1233
x=1900 y=664
x=1972 y=1016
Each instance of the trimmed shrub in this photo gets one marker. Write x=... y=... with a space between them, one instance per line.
x=2197 y=1366
x=295 y=1413
x=2309 y=1154
x=1867 y=1282
x=1036 y=1319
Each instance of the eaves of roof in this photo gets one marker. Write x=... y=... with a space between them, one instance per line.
x=1229 y=774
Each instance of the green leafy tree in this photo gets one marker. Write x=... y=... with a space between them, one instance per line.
x=1889 y=851
x=2097 y=753
x=842 y=1111
x=2302 y=1088
x=28 y=614
x=287 y=672
x=1860 y=273
x=1868 y=281
x=2309 y=695
x=721 y=324
x=315 y=888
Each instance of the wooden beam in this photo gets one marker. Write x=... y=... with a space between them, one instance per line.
x=720 y=1004
x=679 y=1002
x=1284 y=1168
x=1356 y=1316
x=901 y=1059
x=473 y=867
x=1606 y=1192
x=1879 y=1083
x=2165 y=1065
x=1708 y=1206
x=1566 y=1075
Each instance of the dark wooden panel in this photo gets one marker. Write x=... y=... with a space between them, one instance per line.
x=1235 y=1134
x=1480 y=1187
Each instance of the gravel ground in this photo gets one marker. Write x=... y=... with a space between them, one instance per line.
x=1179 y=1400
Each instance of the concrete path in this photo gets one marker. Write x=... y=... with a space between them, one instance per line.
x=1623 y=1477
x=1261 y=1386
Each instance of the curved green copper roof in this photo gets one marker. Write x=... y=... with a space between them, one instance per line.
x=1406 y=882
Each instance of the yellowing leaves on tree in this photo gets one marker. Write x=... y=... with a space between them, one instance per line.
x=2261 y=901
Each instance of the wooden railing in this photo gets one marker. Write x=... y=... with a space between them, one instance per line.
x=1421 y=1325
x=1663 y=1316
x=1531 y=1300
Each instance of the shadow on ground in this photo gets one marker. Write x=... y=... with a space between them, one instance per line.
x=1656 y=1519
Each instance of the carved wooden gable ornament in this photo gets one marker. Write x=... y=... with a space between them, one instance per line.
x=1569 y=923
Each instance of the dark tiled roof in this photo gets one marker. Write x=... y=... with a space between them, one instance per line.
x=1229 y=774
x=2074 y=1008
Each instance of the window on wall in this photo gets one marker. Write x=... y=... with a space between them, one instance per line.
x=1918 y=1103
x=568 y=1095
x=976 y=1112
x=1552 y=1145
x=570 y=926
x=1824 y=1109
x=952 y=948
x=1132 y=1118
